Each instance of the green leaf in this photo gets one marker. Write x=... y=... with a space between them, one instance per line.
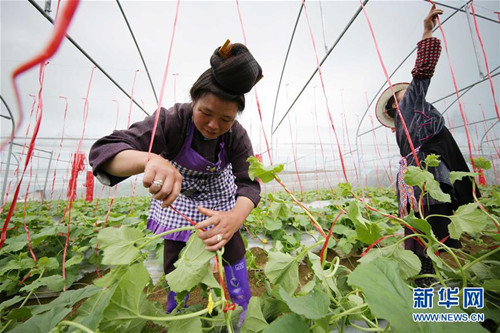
x=345 y=245
x=367 y=231
x=467 y=218
x=14 y=244
x=417 y=177
x=280 y=210
x=254 y=319
x=17 y=264
x=48 y=263
x=458 y=175
x=91 y=312
x=54 y=282
x=265 y=174
x=129 y=303
x=385 y=291
x=43 y=323
x=432 y=160
x=291 y=239
x=288 y=323
x=112 y=277
x=67 y=299
x=192 y=266
x=272 y=224
x=482 y=163
x=186 y=325
x=74 y=260
x=302 y=220
x=345 y=189
x=282 y=269
x=10 y=302
x=314 y=305
x=118 y=245
x=482 y=271
x=419 y=224
x=210 y=281
x=19 y=314
x=388 y=297
x=408 y=263
x=323 y=274
x=492 y=285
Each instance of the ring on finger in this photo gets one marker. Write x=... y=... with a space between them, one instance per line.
x=158 y=182
x=219 y=237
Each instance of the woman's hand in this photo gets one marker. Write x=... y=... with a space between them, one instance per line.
x=163 y=179
x=430 y=21
x=225 y=224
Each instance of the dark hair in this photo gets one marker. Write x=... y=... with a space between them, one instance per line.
x=233 y=73
x=391 y=112
x=207 y=85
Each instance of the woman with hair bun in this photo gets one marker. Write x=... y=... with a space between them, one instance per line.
x=198 y=162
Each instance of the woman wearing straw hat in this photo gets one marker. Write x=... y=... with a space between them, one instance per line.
x=198 y=162
x=429 y=135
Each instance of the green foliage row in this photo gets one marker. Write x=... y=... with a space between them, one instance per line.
x=336 y=297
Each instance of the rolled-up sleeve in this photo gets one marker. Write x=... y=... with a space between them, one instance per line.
x=137 y=137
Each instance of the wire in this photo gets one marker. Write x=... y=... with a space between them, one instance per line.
x=85 y=54
x=473 y=123
x=283 y=69
x=463 y=10
x=351 y=21
x=392 y=74
x=138 y=49
x=467 y=89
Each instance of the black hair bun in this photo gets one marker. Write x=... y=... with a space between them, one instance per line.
x=237 y=72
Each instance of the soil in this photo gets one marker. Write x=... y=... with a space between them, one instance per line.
x=256 y=277
x=469 y=246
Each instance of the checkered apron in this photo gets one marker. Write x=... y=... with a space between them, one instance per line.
x=206 y=184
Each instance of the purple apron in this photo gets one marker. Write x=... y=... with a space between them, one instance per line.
x=206 y=184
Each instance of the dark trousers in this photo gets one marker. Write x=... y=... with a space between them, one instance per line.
x=234 y=250
x=439 y=228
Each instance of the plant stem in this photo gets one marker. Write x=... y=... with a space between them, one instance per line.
x=466 y=267
x=180 y=317
x=77 y=325
x=227 y=315
x=369 y=322
x=152 y=238
x=294 y=199
x=337 y=263
x=304 y=252
x=462 y=270
x=366 y=329
x=351 y=310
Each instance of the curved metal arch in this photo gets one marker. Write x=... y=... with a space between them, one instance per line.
x=40 y=9
x=486 y=133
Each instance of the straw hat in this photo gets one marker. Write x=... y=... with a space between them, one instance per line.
x=380 y=111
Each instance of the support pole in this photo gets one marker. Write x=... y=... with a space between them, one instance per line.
x=9 y=154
